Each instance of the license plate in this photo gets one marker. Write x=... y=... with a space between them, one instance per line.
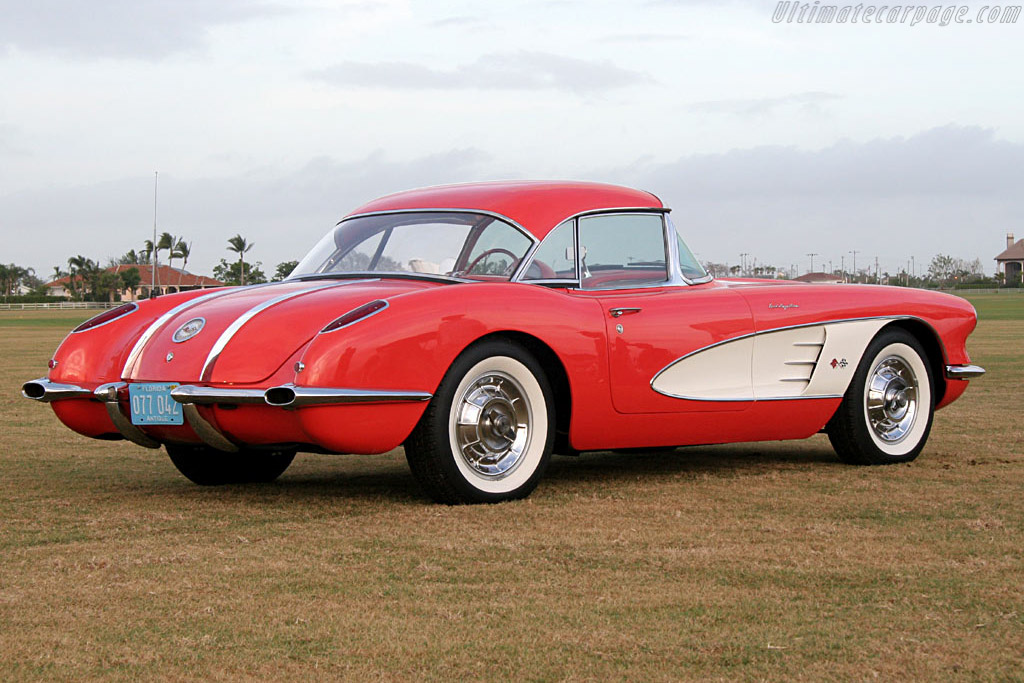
x=151 y=404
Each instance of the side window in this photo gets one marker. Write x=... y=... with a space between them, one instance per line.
x=555 y=258
x=622 y=251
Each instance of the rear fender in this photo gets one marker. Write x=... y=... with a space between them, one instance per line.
x=97 y=355
x=410 y=345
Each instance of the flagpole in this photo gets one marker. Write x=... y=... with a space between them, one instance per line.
x=152 y=255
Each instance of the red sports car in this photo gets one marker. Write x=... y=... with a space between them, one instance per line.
x=485 y=325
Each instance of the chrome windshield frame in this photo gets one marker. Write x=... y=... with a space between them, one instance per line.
x=534 y=242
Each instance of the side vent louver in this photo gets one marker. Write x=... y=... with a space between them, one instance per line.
x=785 y=360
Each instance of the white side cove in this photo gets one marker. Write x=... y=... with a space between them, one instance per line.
x=810 y=361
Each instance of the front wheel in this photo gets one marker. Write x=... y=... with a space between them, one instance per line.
x=210 y=467
x=886 y=414
x=488 y=432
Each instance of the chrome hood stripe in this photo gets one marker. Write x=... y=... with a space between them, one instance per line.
x=240 y=321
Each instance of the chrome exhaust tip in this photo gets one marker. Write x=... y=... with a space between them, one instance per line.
x=280 y=397
x=45 y=391
x=34 y=390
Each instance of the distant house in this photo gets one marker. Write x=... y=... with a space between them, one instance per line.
x=1011 y=261
x=168 y=281
x=819 y=278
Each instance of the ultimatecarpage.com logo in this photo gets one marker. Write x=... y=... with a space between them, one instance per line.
x=815 y=13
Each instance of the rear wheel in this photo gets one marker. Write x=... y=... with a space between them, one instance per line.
x=210 y=467
x=886 y=414
x=488 y=432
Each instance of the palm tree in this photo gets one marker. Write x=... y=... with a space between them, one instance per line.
x=75 y=265
x=58 y=273
x=166 y=243
x=90 y=271
x=146 y=253
x=182 y=250
x=16 y=274
x=239 y=245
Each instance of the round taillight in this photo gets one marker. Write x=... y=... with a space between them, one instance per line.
x=355 y=315
x=106 y=316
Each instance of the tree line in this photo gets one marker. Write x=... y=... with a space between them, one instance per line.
x=942 y=271
x=88 y=280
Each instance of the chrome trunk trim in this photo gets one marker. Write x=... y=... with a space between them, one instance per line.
x=108 y=393
x=964 y=371
x=45 y=391
x=161 y=321
x=241 y=320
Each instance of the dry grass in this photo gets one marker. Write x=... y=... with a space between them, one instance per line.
x=751 y=561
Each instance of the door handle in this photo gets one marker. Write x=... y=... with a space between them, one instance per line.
x=619 y=312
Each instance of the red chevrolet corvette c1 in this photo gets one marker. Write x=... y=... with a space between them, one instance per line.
x=485 y=325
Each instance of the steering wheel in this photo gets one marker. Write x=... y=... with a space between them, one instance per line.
x=485 y=254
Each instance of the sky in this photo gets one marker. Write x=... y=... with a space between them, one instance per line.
x=273 y=119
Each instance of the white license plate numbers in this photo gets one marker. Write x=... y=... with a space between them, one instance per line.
x=151 y=404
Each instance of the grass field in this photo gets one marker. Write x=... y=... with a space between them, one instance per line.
x=753 y=561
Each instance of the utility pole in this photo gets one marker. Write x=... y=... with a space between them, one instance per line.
x=854 y=252
x=842 y=265
x=877 y=281
x=812 y=255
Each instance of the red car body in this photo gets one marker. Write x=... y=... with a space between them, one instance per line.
x=262 y=373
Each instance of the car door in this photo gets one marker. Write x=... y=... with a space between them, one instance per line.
x=654 y=319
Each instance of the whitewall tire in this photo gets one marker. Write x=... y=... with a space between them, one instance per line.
x=488 y=432
x=886 y=414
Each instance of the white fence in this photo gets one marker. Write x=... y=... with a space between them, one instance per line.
x=61 y=305
x=967 y=290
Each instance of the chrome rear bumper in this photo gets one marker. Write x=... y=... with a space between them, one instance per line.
x=285 y=396
x=109 y=394
x=291 y=396
x=964 y=371
x=190 y=396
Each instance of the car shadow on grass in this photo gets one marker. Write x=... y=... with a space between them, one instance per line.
x=364 y=478
x=727 y=461
x=357 y=478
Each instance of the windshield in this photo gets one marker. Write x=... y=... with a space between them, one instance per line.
x=455 y=244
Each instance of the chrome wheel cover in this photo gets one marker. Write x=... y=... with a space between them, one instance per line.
x=492 y=424
x=892 y=399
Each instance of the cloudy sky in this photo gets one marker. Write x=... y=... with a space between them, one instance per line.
x=273 y=119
